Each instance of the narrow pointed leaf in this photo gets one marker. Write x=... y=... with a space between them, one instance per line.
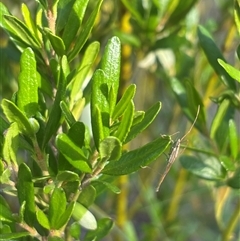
x=213 y=53
x=110 y=186
x=55 y=115
x=77 y=133
x=14 y=114
x=84 y=34
x=126 y=123
x=124 y=101
x=234 y=181
x=67 y=176
x=136 y=159
x=67 y=114
x=217 y=121
x=25 y=190
x=104 y=226
x=237 y=14
x=57 y=207
x=43 y=219
x=149 y=117
x=110 y=149
x=13 y=236
x=5 y=212
x=99 y=107
x=110 y=64
x=28 y=20
x=74 y=155
x=209 y=169
x=56 y=42
x=10 y=146
x=74 y=21
x=28 y=84
x=87 y=196
x=66 y=216
x=233 y=139
x=83 y=70
x=19 y=29
x=233 y=72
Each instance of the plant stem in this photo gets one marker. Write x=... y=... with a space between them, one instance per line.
x=232 y=223
x=39 y=157
x=51 y=15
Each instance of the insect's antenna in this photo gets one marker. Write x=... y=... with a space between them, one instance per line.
x=192 y=123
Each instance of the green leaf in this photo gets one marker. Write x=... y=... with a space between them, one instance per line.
x=28 y=20
x=3 y=125
x=234 y=182
x=75 y=231
x=84 y=34
x=136 y=159
x=227 y=163
x=12 y=236
x=67 y=114
x=87 y=196
x=126 y=123
x=135 y=10
x=14 y=114
x=66 y=216
x=110 y=149
x=77 y=133
x=10 y=146
x=3 y=11
x=110 y=186
x=234 y=73
x=19 y=31
x=237 y=14
x=43 y=3
x=99 y=107
x=43 y=219
x=57 y=207
x=5 y=229
x=5 y=213
x=25 y=191
x=138 y=117
x=21 y=212
x=67 y=176
x=217 y=121
x=180 y=12
x=27 y=96
x=55 y=115
x=233 y=139
x=189 y=100
x=74 y=21
x=104 y=226
x=56 y=42
x=64 y=9
x=84 y=217
x=213 y=53
x=149 y=117
x=86 y=64
x=110 y=64
x=5 y=176
x=74 y=155
x=210 y=168
x=124 y=101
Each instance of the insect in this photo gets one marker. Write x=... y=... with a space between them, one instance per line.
x=173 y=154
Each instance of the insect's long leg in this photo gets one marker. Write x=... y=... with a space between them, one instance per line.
x=190 y=129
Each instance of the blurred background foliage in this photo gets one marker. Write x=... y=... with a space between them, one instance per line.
x=159 y=42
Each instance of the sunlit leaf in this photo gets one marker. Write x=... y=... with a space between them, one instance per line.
x=136 y=159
